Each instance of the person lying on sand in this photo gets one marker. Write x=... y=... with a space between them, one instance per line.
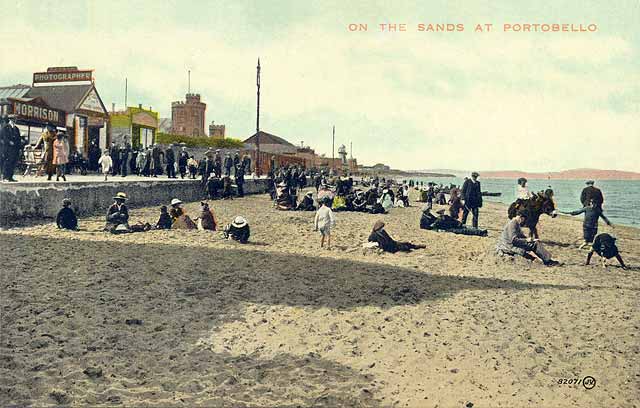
x=447 y=223
x=388 y=244
x=605 y=246
x=513 y=242
x=66 y=218
x=238 y=230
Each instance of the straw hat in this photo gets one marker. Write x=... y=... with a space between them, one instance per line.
x=239 y=222
x=120 y=196
x=175 y=201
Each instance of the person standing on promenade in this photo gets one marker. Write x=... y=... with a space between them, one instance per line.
x=46 y=140
x=512 y=241
x=124 y=159
x=183 y=160
x=60 y=155
x=246 y=163
x=170 y=158
x=239 y=175
x=590 y=224
x=217 y=164
x=472 y=195
x=156 y=156
x=522 y=192
x=591 y=194
x=105 y=162
x=236 y=162
x=193 y=167
x=323 y=222
x=115 y=156
x=228 y=164
x=10 y=149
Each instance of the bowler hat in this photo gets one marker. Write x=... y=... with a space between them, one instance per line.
x=590 y=182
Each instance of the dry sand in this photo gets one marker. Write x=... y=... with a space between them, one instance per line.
x=184 y=318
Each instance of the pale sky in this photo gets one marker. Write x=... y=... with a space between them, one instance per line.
x=413 y=100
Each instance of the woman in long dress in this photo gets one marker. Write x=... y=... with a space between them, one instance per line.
x=46 y=141
x=60 y=155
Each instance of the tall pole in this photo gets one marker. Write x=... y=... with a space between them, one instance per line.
x=189 y=81
x=333 y=148
x=258 y=120
x=125 y=92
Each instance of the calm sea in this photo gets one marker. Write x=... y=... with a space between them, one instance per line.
x=621 y=197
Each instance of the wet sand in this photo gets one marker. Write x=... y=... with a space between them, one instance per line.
x=185 y=318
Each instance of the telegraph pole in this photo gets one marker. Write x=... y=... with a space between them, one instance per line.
x=333 y=147
x=258 y=120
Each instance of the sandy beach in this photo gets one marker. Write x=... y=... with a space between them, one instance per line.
x=185 y=318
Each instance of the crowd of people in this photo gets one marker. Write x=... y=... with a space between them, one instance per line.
x=369 y=195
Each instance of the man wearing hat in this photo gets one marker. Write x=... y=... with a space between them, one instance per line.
x=11 y=147
x=228 y=164
x=217 y=164
x=307 y=203
x=118 y=214
x=66 y=218
x=591 y=194
x=238 y=230
x=472 y=195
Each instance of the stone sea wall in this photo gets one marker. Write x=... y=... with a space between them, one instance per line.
x=41 y=201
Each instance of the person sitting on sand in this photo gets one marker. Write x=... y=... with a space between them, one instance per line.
x=118 y=215
x=165 y=219
x=592 y=214
x=227 y=190
x=455 y=204
x=238 y=230
x=323 y=222
x=388 y=244
x=513 y=242
x=206 y=220
x=66 y=218
x=360 y=202
x=307 y=203
x=180 y=220
x=605 y=246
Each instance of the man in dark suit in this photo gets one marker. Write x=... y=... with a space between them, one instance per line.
x=472 y=195
x=11 y=145
x=591 y=193
x=170 y=157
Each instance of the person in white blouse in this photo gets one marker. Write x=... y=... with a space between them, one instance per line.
x=522 y=191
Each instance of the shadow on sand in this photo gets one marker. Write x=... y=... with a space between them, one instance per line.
x=69 y=310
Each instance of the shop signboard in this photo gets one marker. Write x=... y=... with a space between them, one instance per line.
x=38 y=112
x=62 y=76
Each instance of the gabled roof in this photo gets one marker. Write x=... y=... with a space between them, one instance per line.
x=268 y=138
x=63 y=97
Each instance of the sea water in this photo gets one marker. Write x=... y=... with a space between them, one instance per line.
x=621 y=197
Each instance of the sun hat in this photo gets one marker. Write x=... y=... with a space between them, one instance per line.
x=378 y=225
x=175 y=201
x=239 y=222
x=120 y=196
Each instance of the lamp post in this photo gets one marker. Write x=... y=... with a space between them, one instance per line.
x=258 y=120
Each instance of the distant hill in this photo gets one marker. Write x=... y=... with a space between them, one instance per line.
x=573 y=174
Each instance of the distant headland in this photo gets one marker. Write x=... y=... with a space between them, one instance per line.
x=572 y=174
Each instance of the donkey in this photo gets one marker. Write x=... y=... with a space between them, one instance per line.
x=540 y=203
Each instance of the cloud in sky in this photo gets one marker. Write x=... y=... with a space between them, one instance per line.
x=530 y=101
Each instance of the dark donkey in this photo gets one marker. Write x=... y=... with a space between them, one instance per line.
x=540 y=203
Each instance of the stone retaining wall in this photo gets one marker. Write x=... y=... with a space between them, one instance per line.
x=41 y=201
